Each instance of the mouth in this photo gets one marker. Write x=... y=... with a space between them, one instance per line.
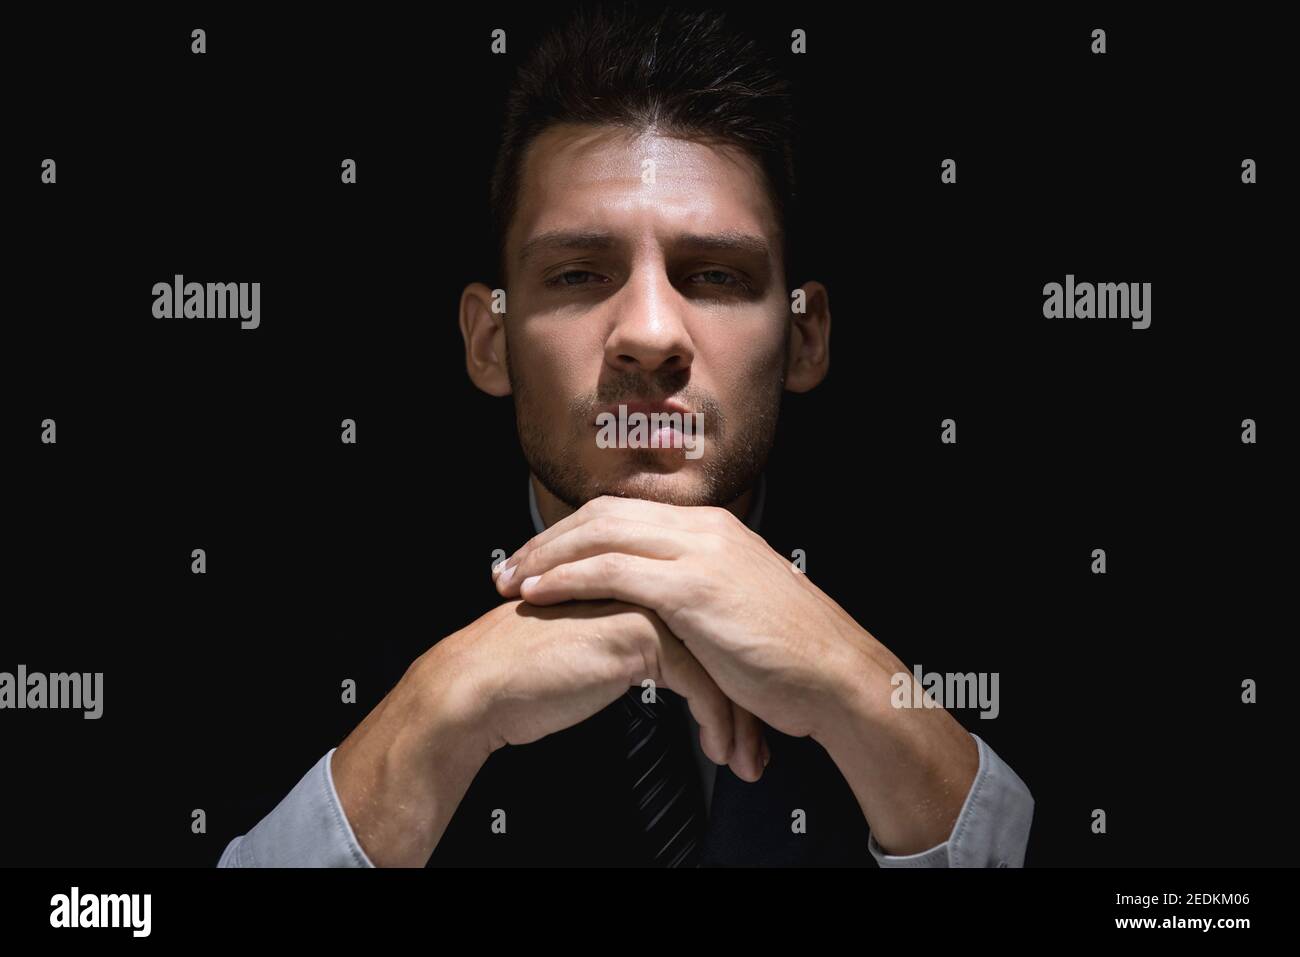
x=660 y=425
x=646 y=408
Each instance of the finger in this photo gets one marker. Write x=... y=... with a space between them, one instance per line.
x=712 y=709
x=649 y=582
x=632 y=509
x=589 y=539
x=747 y=745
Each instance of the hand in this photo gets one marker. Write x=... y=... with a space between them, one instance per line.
x=516 y=674
x=774 y=642
x=540 y=670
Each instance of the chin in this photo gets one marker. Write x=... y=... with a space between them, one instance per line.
x=678 y=486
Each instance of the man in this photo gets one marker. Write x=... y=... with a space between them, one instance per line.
x=648 y=635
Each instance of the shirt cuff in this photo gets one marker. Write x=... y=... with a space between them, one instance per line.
x=992 y=829
x=306 y=829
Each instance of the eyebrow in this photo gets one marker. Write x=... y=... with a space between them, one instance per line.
x=725 y=242
x=567 y=239
x=563 y=239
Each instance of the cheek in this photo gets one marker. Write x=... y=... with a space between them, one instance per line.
x=556 y=367
x=740 y=363
x=743 y=386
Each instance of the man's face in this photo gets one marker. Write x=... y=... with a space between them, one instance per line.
x=644 y=270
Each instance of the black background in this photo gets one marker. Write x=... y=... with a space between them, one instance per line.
x=328 y=561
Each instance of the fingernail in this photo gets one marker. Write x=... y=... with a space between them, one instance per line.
x=507 y=573
x=767 y=755
x=531 y=579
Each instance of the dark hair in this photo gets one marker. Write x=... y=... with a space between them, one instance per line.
x=687 y=73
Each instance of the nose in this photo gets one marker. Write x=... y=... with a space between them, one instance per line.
x=649 y=333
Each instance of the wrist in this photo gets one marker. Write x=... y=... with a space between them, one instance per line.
x=850 y=706
x=910 y=768
x=451 y=706
x=401 y=774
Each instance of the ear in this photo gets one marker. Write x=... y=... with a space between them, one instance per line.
x=484 y=332
x=809 y=357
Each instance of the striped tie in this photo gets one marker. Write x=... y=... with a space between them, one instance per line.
x=667 y=793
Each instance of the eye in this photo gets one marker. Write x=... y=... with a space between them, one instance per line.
x=567 y=278
x=719 y=278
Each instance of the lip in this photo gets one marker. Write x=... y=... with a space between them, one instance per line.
x=647 y=408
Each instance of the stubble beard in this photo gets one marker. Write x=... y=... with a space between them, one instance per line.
x=734 y=454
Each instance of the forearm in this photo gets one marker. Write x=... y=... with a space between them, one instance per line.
x=909 y=768
x=404 y=770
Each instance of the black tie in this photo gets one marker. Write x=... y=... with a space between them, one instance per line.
x=667 y=795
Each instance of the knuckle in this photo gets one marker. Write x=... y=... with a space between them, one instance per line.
x=601 y=527
x=527 y=561
x=717 y=545
x=612 y=563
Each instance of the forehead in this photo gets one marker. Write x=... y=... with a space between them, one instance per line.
x=595 y=177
